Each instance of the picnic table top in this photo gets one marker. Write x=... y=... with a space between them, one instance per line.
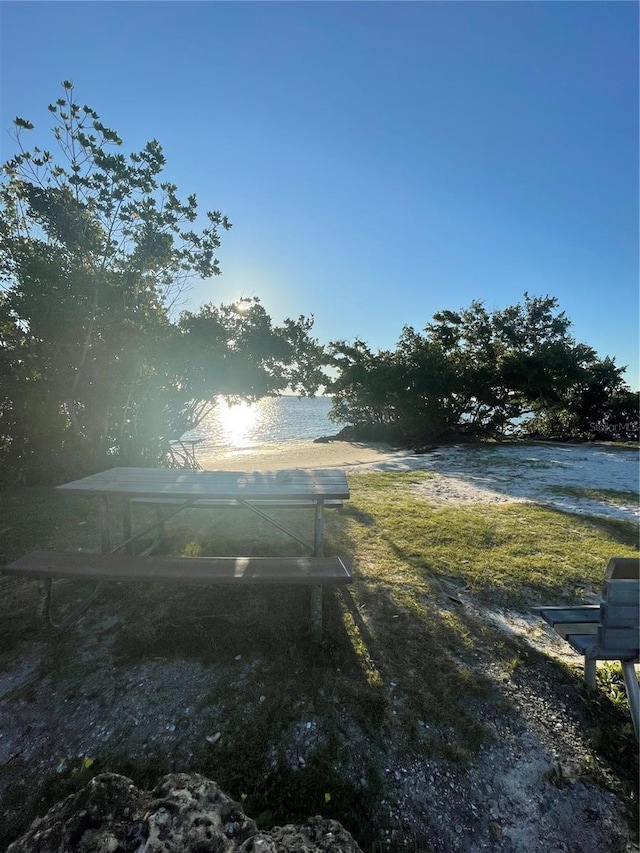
x=299 y=483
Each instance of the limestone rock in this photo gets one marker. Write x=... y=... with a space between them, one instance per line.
x=184 y=813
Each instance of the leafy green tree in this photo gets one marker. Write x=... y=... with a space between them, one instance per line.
x=469 y=344
x=596 y=405
x=403 y=395
x=96 y=250
x=475 y=373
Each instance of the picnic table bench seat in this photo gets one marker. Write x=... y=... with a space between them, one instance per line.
x=608 y=631
x=313 y=572
x=119 y=567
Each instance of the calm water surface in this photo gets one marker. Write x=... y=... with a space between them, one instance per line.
x=272 y=420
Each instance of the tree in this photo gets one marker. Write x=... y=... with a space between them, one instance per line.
x=475 y=373
x=596 y=405
x=95 y=252
x=405 y=395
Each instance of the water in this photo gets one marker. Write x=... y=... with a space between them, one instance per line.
x=272 y=420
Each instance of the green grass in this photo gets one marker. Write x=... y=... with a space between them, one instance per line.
x=516 y=555
x=399 y=658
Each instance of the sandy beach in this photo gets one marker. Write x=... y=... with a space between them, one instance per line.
x=548 y=474
x=299 y=454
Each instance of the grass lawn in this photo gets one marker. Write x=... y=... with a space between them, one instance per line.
x=295 y=728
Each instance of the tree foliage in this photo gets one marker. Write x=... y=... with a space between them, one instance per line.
x=476 y=373
x=96 y=251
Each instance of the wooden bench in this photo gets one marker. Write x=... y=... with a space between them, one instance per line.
x=608 y=630
x=314 y=572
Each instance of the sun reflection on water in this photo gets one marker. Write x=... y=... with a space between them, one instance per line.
x=273 y=419
x=237 y=422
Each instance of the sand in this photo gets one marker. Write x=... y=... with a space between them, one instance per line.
x=298 y=454
x=545 y=473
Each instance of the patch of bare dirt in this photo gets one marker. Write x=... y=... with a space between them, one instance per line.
x=534 y=786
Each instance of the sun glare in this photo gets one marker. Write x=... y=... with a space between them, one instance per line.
x=242 y=306
x=237 y=422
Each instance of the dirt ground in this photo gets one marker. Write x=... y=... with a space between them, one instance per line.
x=534 y=788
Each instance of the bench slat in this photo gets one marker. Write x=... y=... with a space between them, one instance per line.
x=619 y=638
x=587 y=645
x=563 y=629
x=118 y=567
x=572 y=620
x=621 y=591
x=583 y=613
x=620 y=615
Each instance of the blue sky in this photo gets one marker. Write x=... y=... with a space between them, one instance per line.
x=379 y=161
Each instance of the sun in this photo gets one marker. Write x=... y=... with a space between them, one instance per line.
x=243 y=305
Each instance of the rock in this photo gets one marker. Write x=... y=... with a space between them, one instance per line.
x=184 y=813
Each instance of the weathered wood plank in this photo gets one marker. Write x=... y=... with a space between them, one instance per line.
x=211 y=503
x=582 y=613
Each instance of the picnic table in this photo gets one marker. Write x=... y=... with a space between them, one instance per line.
x=177 y=490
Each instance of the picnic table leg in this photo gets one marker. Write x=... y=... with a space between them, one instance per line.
x=44 y=606
x=316 y=591
x=160 y=532
x=127 y=522
x=105 y=525
x=590 y=672
x=633 y=694
x=318 y=534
